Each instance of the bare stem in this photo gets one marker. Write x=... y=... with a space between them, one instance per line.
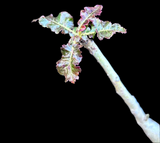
x=150 y=127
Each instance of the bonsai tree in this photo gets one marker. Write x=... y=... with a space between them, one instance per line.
x=88 y=26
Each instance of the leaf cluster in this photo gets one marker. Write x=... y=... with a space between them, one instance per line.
x=88 y=26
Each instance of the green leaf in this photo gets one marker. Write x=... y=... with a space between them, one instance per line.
x=74 y=29
x=107 y=29
x=87 y=15
x=63 y=22
x=89 y=31
x=71 y=56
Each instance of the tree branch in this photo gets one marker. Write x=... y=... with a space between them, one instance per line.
x=150 y=127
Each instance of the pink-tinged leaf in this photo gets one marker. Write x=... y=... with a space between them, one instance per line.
x=89 y=31
x=74 y=41
x=63 y=22
x=107 y=29
x=71 y=56
x=87 y=15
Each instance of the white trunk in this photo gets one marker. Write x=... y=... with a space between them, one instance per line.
x=149 y=126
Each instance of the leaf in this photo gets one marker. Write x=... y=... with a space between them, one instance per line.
x=63 y=22
x=74 y=29
x=87 y=15
x=89 y=31
x=107 y=29
x=71 y=56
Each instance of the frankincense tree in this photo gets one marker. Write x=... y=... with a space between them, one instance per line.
x=88 y=26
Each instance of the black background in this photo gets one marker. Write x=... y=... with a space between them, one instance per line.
x=90 y=109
